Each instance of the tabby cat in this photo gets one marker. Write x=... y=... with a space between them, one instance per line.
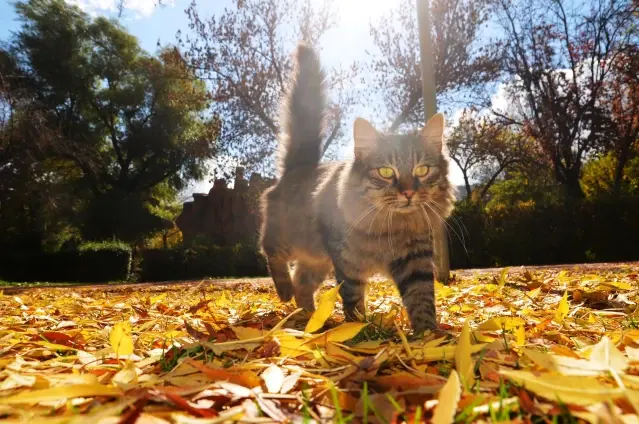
x=372 y=214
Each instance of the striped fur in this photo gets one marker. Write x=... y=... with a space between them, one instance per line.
x=344 y=218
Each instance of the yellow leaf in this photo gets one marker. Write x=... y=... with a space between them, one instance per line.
x=127 y=375
x=463 y=359
x=220 y=348
x=342 y=333
x=618 y=285
x=433 y=354
x=13 y=381
x=579 y=390
x=448 y=400
x=534 y=293
x=333 y=352
x=273 y=378
x=323 y=311
x=520 y=336
x=502 y=277
x=499 y=323
x=120 y=338
x=562 y=309
x=62 y=392
x=606 y=354
x=244 y=333
x=291 y=345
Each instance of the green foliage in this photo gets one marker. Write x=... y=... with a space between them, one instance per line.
x=102 y=123
x=92 y=263
x=599 y=176
x=201 y=261
x=95 y=246
x=529 y=233
x=537 y=187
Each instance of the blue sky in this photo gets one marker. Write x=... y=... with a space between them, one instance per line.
x=342 y=45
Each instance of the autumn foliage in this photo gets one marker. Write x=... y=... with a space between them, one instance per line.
x=520 y=344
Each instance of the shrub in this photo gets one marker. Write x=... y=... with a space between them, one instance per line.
x=201 y=261
x=91 y=263
x=526 y=233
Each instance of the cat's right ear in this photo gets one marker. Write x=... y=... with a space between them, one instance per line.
x=365 y=136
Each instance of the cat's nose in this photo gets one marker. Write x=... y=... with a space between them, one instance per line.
x=408 y=193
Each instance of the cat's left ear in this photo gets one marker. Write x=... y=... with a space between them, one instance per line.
x=365 y=137
x=433 y=132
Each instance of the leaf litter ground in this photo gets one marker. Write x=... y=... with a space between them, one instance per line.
x=546 y=344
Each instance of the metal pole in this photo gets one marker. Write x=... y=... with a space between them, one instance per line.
x=440 y=242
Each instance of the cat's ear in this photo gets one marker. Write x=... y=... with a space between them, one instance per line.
x=433 y=132
x=365 y=136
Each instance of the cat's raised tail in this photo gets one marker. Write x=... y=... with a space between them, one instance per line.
x=303 y=111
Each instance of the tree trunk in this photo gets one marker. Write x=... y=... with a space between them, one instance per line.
x=572 y=187
x=622 y=159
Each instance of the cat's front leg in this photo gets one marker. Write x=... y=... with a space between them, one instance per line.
x=353 y=293
x=414 y=279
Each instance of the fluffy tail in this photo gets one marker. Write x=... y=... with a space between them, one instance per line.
x=303 y=113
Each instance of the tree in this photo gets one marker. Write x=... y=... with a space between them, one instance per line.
x=601 y=173
x=485 y=150
x=244 y=54
x=559 y=55
x=462 y=62
x=619 y=115
x=126 y=121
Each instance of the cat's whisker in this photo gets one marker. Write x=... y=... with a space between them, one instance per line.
x=425 y=215
x=374 y=218
x=459 y=224
x=457 y=221
x=352 y=227
x=390 y=232
x=447 y=226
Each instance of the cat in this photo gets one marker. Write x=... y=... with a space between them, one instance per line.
x=356 y=218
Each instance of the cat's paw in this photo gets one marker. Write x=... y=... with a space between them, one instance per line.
x=431 y=334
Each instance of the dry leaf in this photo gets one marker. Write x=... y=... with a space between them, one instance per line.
x=463 y=358
x=568 y=389
x=448 y=399
x=562 y=309
x=120 y=338
x=324 y=310
x=273 y=379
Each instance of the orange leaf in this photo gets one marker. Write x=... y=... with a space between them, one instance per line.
x=245 y=378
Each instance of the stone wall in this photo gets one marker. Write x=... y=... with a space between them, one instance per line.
x=225 y=216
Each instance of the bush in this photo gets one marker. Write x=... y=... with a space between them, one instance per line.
x=201 y=261
x=91 y=263
x=527 y=233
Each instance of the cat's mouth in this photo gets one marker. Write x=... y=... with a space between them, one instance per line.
x=405 y=206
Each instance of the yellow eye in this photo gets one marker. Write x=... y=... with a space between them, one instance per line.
x=386 y=172
x=421 y=171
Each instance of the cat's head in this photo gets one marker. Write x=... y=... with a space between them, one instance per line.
x=404 y=172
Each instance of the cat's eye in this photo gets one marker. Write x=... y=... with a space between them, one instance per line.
x=421 y=171
x=386 y=172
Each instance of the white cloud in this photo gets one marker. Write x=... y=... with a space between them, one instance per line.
x=138 y=8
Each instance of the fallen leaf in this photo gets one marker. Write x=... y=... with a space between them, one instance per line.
x=62 y=392
x=562 y=309
x=448 y=399
x=568 y=389
x=245 y=333
x=499 y=323
x=324 y=310
x=273 y=379
x=463 y=358
x=120 y=338
x=341 y=333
